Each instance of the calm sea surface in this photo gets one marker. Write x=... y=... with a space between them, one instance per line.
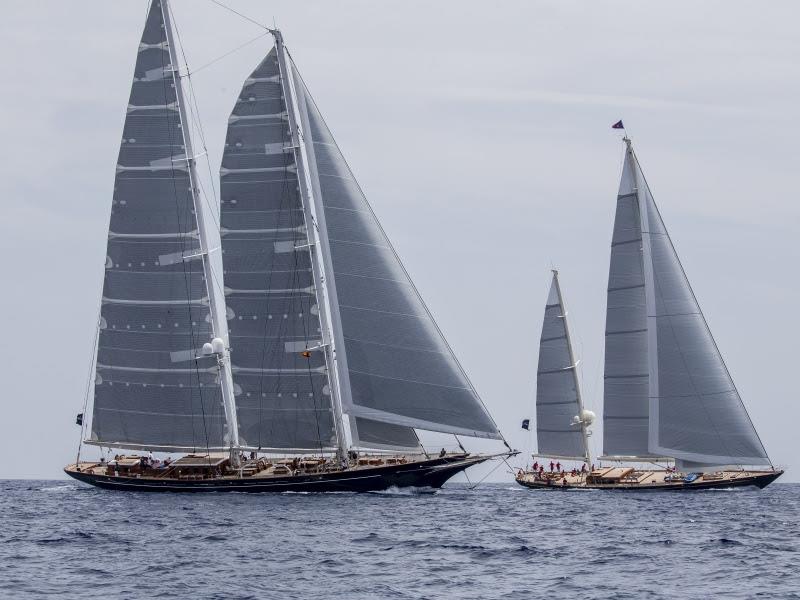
x=65 y=540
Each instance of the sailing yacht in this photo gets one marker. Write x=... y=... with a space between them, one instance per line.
x=310 y=362
x=669 y=400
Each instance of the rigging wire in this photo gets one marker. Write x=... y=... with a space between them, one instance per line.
x=243 y=16
x=196 y=121
x=482 y=479
x=89 y=379
x=227 y=54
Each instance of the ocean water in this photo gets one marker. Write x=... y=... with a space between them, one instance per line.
x=64 y=540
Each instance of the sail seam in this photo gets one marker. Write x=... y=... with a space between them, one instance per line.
x=384 y=312
x=441 y=385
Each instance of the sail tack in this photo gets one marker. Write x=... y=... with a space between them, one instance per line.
x=153 y=388
x=396 y=366
x=283 y=396
x=557 y=394
x=668 y=391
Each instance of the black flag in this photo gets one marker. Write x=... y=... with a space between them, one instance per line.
x=79 y=419
x=526 y=423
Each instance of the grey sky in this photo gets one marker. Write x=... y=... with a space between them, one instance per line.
x=479 y=131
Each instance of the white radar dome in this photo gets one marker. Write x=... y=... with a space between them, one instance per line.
x=218 y=346
x=208 y=349
x=587 y=416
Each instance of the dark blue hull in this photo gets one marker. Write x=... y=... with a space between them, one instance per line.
x=431 y=473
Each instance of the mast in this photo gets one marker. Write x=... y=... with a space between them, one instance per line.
x=315 y=249
x=584 y=431
x=219 y=326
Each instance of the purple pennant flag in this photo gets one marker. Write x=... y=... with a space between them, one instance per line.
x=618 y=125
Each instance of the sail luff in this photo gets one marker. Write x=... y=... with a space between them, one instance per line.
x=335 y=355
x=219 y=327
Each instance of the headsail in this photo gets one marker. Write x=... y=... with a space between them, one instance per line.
x=395 y=365
x=696 y=413
x=153 y=388
x=283 y=397
x=560 y=430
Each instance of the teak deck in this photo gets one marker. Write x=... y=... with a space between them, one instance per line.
x=631 y=479
x=280 y=475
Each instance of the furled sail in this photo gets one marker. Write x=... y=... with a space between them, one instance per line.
x=395 y=365
x=152 y=388
x=696 y=414
x=283 y=397
x=558 y=400
x=625 y=404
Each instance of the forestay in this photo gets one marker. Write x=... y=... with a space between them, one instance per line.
x=696 y=413
x=152 y=390
x=395 y=365
x=283 y=397
x=557 y=394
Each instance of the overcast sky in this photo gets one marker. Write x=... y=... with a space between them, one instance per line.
x=480 y=132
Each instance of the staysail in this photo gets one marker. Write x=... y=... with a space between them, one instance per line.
x=695 y=412
x=559 y=427
x=283 y=397
x=395 y=366
x=154 y=388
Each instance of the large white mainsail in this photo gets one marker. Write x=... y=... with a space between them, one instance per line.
x=693 y=411
x=155 y=388
x=561 y=426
